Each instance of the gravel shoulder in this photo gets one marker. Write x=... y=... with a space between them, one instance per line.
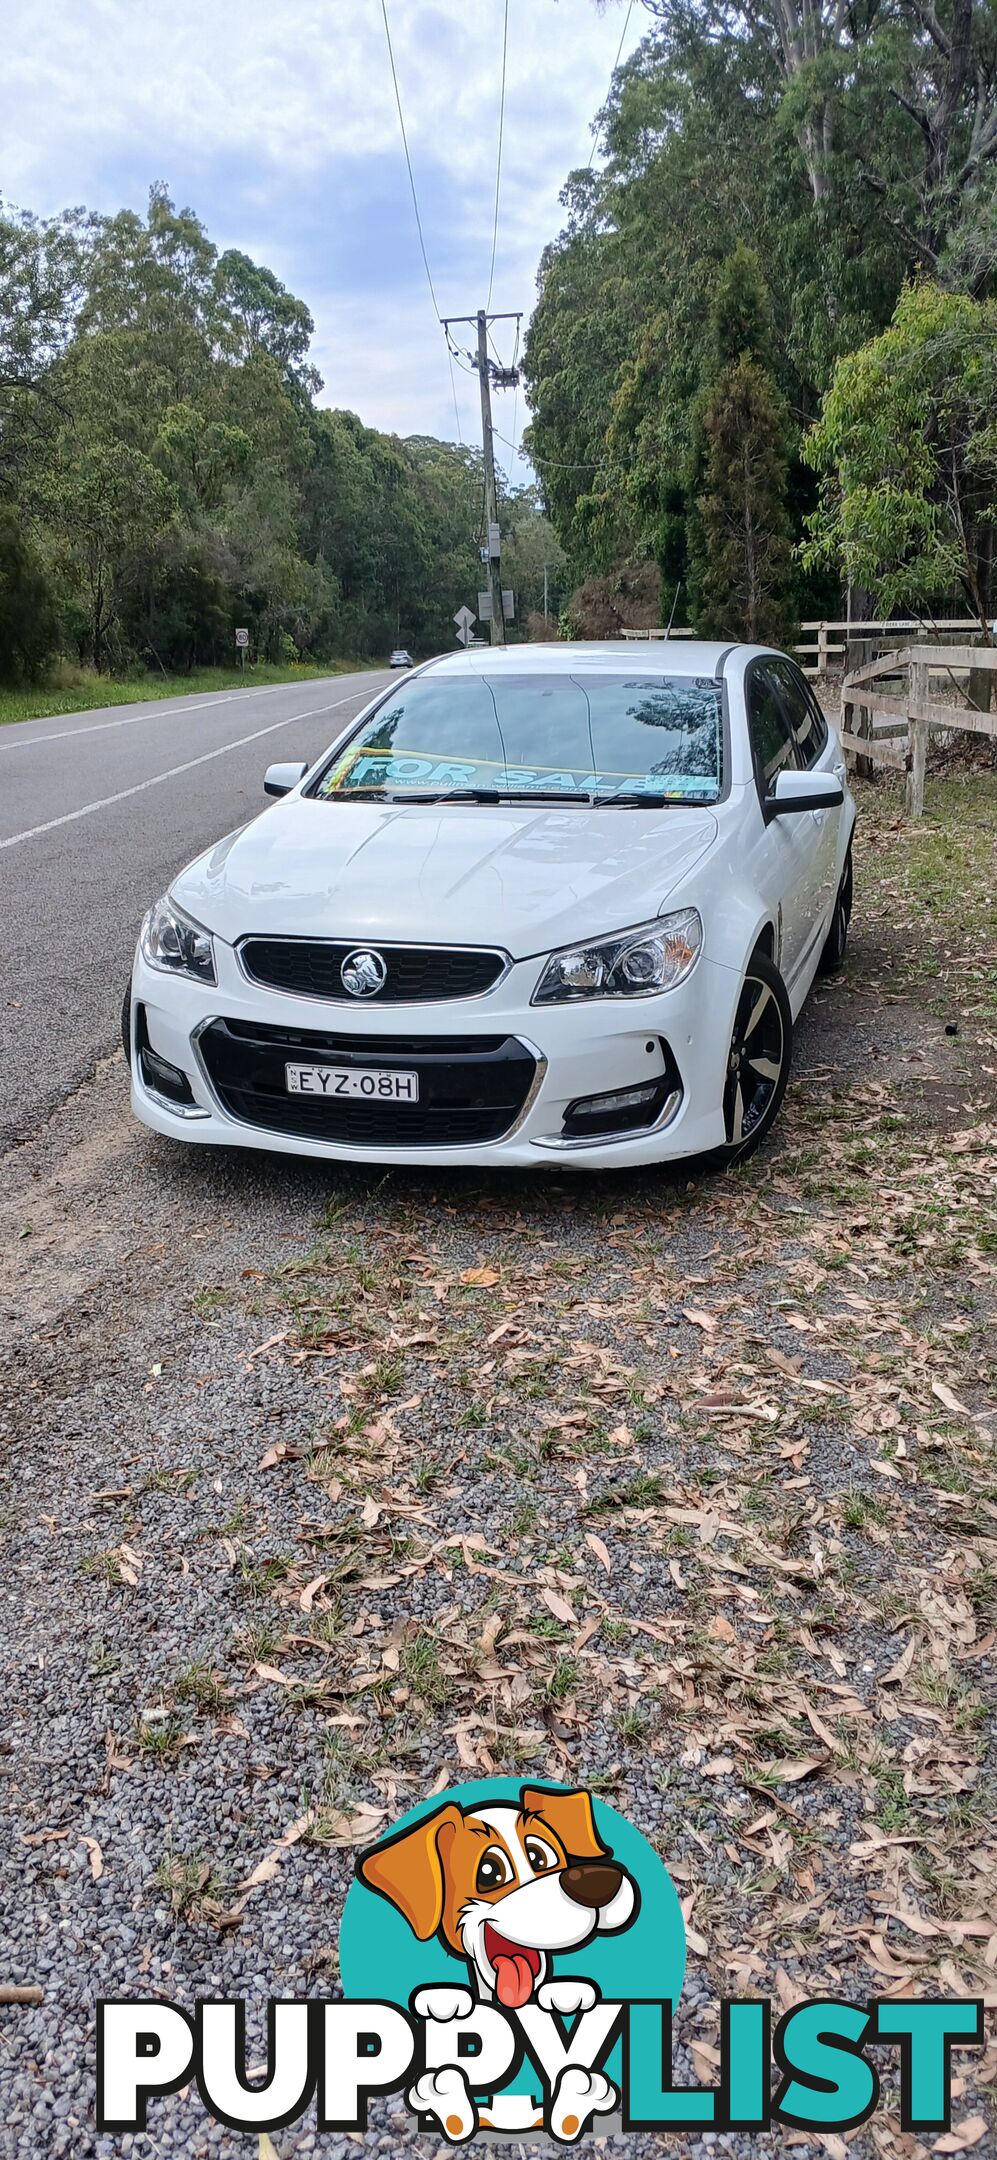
x=319 y=1485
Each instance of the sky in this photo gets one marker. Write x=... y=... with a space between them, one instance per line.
x=275 y=121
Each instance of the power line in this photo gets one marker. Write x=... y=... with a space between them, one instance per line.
x=408 y=161
x=453 y=387
x=459 y=352
x=616 y=62
x=562 y=464
x=418 y=219
x=498 y=162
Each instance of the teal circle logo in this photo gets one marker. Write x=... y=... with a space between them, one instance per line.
x=526 y=1897
x=397 y=1933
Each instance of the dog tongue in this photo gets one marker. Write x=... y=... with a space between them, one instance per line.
x=513 y=1979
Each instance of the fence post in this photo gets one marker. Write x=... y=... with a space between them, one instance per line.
x=856 y=654
x=822 y=652
x=917 y=739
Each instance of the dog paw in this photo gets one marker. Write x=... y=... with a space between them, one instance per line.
x=444 y=2095
x=567 y=1997
x=578 y=2095
x=443 y=2004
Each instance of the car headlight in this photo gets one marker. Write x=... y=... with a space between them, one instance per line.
x=636 y=963
x=169 y=939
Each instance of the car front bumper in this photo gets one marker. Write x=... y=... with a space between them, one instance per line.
x=576 y=1051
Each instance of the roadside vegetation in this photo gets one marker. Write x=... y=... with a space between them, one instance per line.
x=763 y=362
x=168 y=475
x=71 y=689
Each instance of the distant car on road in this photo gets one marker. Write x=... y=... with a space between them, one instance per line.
x=400 y=658
x=553 y=904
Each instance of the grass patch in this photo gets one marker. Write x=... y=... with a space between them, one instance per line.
x=159 y=1740
x=190 y=1884
x=420 y=1667
x=201 y=1685
x=935 y=881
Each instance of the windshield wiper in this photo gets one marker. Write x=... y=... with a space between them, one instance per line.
x=368 y=795
x=461 y=794
x=637 y=801
x=535 y=794
x=485 y=795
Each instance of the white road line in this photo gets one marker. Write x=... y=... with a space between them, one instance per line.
x=13 y=739
x=87 y=809
x=154 y=705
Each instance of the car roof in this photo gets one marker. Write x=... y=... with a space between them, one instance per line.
x=603 y=656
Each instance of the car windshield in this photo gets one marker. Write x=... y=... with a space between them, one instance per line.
x=577 y=737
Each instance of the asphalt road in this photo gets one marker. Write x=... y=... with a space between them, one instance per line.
x=98 y=811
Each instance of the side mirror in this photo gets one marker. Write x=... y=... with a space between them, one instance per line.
x=792 y=792
x=280 y=779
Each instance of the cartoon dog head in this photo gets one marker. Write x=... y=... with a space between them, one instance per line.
x=505 y=1886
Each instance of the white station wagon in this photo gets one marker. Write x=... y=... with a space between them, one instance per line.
x=553 y=904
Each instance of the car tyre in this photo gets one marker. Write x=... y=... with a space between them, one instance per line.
x=836 y=942
x=758 y=1062
x=126 y=1024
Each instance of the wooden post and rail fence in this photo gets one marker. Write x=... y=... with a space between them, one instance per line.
x=825 y=646
x=911 y=713
x=832 y=645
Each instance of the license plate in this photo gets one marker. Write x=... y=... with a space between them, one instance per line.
x=370 y=1083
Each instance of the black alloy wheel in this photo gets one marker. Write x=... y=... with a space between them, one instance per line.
x=835 y=944
x=758 y=1061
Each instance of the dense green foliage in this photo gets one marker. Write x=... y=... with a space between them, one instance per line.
x=851 y=150
x=746 y=537
x=27 y=616
x=738 y=533
x=171 y=477
x=907 y=445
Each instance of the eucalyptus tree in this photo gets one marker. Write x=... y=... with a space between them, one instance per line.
x=906 y=450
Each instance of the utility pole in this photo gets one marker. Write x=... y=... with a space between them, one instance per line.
x=491 y=491
x=506 y=378
x=545 y=592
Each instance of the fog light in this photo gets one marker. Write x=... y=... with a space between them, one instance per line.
x=158 y=1075
x=623 y=1110
x=625 y=1099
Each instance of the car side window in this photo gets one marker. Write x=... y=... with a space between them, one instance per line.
x=805 y=718
x=820 y=720
x=772 y=743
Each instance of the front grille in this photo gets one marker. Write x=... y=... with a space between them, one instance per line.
x=471 y=1088
x=417 y=974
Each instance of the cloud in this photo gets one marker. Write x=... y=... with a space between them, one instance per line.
x=277 y=124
